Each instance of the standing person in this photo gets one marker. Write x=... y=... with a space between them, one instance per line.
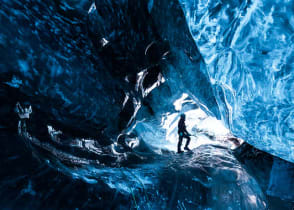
x=183 y=133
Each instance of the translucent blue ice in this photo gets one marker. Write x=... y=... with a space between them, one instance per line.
x=55 y=55
x=99 y=87
x=248 y=49
x=281 y=181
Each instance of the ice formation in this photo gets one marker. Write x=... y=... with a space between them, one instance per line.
x=248 y=49
x=95 y=89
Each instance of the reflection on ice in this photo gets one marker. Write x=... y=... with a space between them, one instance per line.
x=201 y=178
x=93 y=78
x=179 y=102
x=248 y=49
x=203 y=128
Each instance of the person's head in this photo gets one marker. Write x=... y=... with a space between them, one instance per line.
x=183 y=116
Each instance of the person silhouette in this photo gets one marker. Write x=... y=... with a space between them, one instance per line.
x=183 y=133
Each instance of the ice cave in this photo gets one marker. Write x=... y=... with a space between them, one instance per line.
x=147 y=104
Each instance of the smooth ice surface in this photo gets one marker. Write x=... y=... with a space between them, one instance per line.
x=281 y=181
x=248 y=49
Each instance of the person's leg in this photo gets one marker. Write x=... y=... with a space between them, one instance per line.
x=180 y=143
x=188 y=142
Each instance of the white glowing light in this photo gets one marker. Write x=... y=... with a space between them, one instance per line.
x=92 y=8
x=178 y=103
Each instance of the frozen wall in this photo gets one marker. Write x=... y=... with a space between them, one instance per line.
x=248 y=48
x=88 y=68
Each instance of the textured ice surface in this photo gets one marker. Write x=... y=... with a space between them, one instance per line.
x=100 y=86
x=163 y=132
x=208 y=177
x=248 y=48
x=62 y=57
x=90 y=68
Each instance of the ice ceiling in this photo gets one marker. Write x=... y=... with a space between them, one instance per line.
x=99 y=69
x=248 y=49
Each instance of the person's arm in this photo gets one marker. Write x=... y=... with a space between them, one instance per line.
x=180 y=126
x=19 y=109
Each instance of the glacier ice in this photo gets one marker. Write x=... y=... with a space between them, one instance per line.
x=99 y=85
x=92 y=71
x=208 y=177
x=248 y=49
x=281 y=181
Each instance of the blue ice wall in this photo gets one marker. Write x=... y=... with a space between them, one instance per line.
x=248 y=48
x=80 y=64
x=89 y=66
